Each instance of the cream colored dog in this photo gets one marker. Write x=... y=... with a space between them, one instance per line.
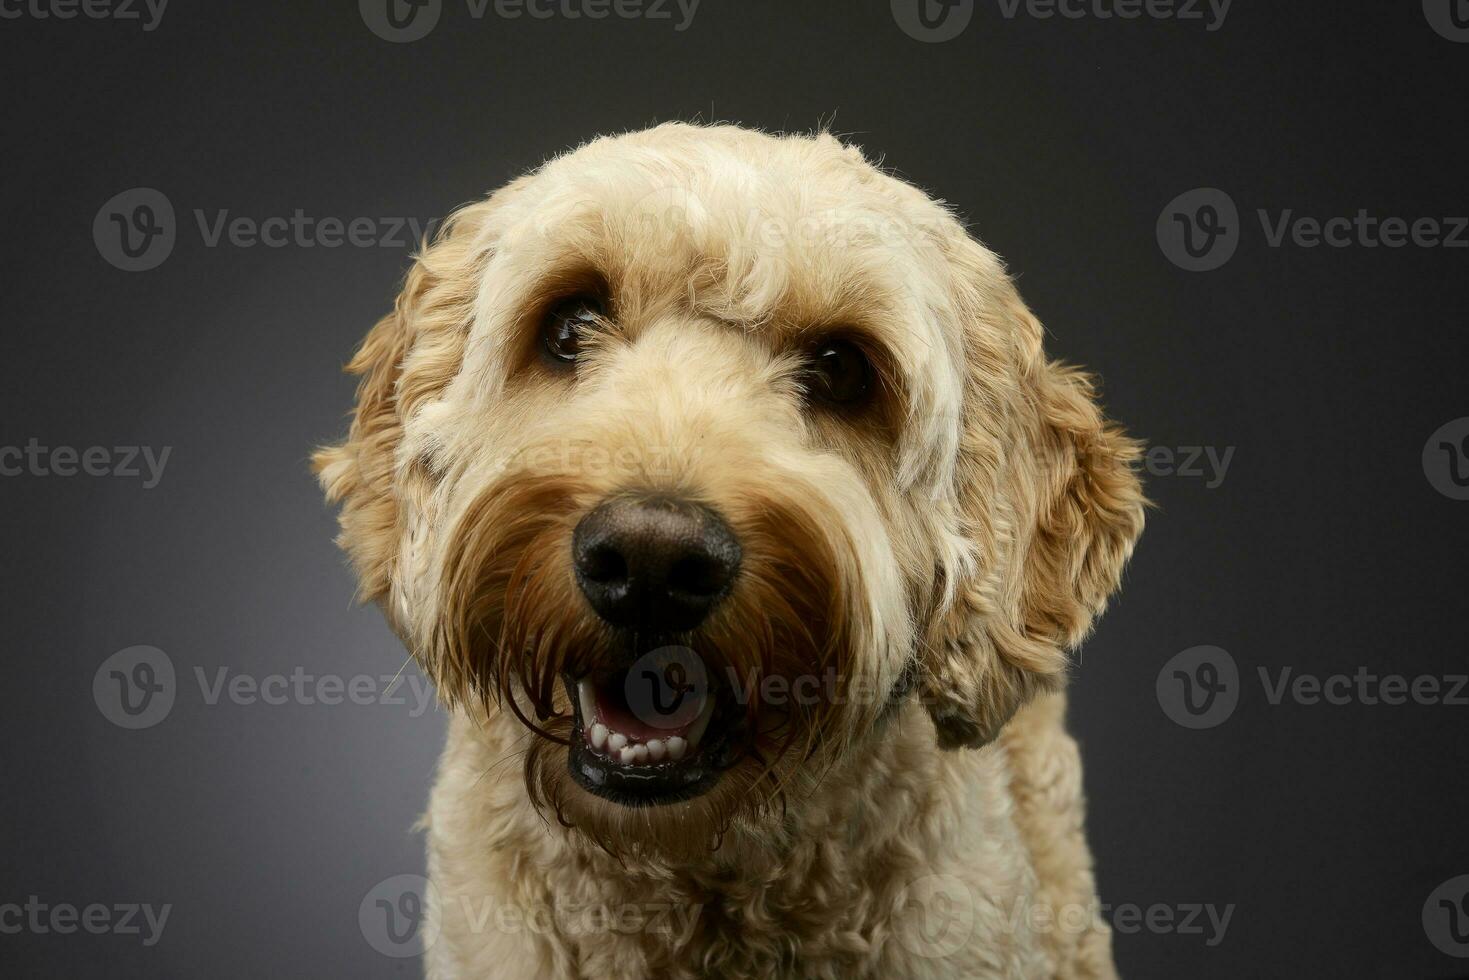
x=720 y=482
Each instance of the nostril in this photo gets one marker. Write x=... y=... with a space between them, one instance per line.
x=698 y=576
x=603 y=564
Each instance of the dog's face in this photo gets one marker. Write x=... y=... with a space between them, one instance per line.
x=700 y=452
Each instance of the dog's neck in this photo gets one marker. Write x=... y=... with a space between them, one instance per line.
x=893 y=812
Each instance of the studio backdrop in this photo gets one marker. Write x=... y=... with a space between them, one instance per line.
x=1249 y=219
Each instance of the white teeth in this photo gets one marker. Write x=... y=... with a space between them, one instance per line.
x=701 y=723
x=588 y=701
x=619 y=748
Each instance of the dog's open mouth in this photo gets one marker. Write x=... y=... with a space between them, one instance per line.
x=648 y=747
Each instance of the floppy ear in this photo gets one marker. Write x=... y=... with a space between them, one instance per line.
x=407 y=359
x=1052 y=503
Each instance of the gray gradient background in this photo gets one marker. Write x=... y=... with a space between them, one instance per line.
x=1324 y=549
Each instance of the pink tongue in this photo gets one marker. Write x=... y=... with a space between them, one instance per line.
x=643 y=716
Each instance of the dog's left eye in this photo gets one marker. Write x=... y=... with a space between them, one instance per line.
x=839 y=372
x=566 y=325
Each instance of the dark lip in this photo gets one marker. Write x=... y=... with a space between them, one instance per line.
x=655 y=785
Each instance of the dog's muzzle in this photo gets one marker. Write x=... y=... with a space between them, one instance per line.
x=656 y=731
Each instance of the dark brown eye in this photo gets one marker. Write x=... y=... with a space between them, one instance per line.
x=839 y=372
x=567 y=324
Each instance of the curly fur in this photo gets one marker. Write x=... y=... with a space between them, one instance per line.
x=939 y=554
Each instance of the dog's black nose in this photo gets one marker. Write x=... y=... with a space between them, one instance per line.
x=655 y=563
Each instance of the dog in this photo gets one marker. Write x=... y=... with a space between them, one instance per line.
x=721 y=484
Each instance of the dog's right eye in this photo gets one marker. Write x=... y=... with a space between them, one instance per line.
x=566 y=325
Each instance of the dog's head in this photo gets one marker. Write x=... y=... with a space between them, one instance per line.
x=700 y=452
